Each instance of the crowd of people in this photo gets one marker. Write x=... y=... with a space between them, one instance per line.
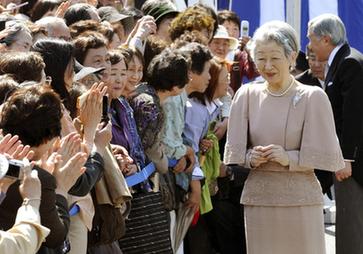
x=127 y=130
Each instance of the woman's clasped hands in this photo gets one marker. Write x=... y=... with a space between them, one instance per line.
x=262 y=154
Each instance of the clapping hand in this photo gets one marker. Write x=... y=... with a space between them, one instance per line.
x=30 y=186
x=12 y=147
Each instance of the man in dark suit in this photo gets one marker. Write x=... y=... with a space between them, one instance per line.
x=344 y=86
x=314 y=76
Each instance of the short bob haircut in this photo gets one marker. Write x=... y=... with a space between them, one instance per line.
x=167 y=70
x=189 y=20
x=42 y=7
x=87 y=41
x=275 y=31
x=116 y=56
x=7 y=87
x=78 y=12
x=217 y=65
x=328 y=25
x=91 y=25
x=229 y=16
x=24 y=66
x=198 y=55
x=129 y=54
x=34 y=114
x=56 y=54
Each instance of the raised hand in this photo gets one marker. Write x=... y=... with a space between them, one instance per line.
x=69 y=146
x=12 y=147
x=103 y=135
x=30 y=186
x=67 y=175
x=62 y=8
x=91 y=112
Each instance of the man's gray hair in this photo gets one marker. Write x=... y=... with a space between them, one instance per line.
x=328 y=25
x=279 y=32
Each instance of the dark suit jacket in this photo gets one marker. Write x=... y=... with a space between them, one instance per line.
x=307 y=78
x=53 y=209
x=344 y=86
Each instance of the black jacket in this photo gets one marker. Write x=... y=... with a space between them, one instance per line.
x=307 y=78
x=344 y=86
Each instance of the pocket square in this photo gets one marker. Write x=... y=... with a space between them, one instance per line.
x=330 y=83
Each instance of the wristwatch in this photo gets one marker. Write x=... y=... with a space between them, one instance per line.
x=27 y=201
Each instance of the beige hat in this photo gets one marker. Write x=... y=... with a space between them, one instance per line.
x=223 y=34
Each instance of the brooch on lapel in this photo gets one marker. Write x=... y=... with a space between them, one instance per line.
x=296 y=99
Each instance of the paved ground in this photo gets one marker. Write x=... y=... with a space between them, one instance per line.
x=329 y=218
x=330 y=238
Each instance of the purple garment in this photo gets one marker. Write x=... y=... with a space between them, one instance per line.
x=124 y=130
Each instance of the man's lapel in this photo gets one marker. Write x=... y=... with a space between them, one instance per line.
x=334 y=65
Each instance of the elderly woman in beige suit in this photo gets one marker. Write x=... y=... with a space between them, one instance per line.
x=282 y=130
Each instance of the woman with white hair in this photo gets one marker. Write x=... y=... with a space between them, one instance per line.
x=282 y=130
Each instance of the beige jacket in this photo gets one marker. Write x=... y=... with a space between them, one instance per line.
x=26 y=235
x=301 y=122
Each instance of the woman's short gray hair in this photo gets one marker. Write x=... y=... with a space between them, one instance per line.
x=328 y=25
x=277 y=31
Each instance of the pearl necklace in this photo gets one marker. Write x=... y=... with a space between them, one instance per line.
x=281 y=94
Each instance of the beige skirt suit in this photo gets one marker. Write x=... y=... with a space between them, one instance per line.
x=283 y=205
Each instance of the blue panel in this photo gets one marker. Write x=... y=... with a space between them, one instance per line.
x=248 y=10
x=223 y=4
x=351 y=12
x=304 y=24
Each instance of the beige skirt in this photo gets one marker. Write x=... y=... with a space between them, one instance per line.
x=284 y=230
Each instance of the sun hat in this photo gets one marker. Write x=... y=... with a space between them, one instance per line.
x=223 y=34
x=83 y=71
x=110 y=14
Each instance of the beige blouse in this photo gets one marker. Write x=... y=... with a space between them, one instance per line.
x=301 y=122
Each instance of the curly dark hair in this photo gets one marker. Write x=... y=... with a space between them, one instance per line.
x=34 y=114
x=167 y=70
x=82 y=26
x=197 y=55
x=190 y=36
x=24 y=66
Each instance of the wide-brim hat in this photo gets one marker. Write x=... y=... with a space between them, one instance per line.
x=111 y=14
x=223 y=34
x=83 y=71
